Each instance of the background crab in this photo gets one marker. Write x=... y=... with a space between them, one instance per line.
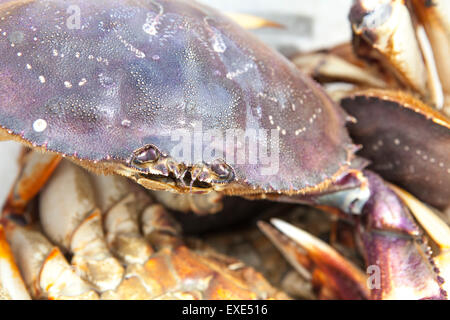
x=331 y=177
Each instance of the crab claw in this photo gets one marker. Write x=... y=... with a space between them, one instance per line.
x=436 y=228
x=396 y=254
x=11 y=283
x=331 y=274
x=407 y=141
x=44 y=268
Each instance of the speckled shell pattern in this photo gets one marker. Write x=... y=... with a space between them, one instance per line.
x=135 y=71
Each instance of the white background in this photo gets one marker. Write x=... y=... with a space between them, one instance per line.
x=309 y=24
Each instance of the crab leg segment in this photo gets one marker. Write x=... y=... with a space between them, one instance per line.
x=69 y=217
x=435 y=17
x=11 y=283
x=327 y=66
x=46 y=272
x=35 y=172
x=122 y=232
x=110 y=190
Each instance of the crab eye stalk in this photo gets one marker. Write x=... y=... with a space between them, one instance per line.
x=147 y=154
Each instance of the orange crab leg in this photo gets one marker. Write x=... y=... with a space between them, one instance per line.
x=36 y=170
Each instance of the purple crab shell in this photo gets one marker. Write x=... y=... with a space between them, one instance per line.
x=96 y=80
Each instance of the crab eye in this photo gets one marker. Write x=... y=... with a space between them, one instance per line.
x=147 y=154
x=222 y=170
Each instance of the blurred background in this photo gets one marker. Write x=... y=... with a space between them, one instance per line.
x=308 y=25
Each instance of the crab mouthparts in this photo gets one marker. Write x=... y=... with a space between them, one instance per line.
x=185 y=182
x=157 y=170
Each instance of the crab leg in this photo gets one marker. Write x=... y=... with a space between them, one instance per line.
x=122 y=232
x=434 y=16
x=11 y=283
x=327 y=66
x=44 y=268
x=70 y=219
x=34 y=174
x=415 y=159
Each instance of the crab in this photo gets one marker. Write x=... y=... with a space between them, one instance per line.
x=114 y=87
